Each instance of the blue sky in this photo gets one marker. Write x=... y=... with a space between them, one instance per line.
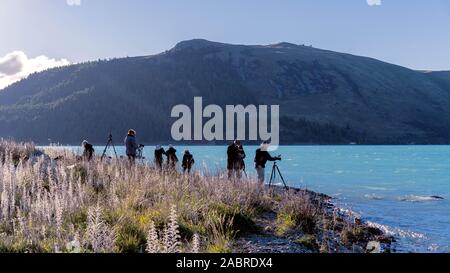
x=412 y=33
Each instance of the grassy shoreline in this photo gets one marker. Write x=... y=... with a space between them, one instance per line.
x=53 y=202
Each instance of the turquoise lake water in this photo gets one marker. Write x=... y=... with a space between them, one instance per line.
x=389 y=186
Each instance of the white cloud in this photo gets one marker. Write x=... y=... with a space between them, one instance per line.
x=16 y=65
x=374 y=2
x=73 y=2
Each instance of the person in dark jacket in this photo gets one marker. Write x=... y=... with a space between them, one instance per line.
x=159 y=153
x=88 y=151
x=232 y=155
x=239 y=165
x=261 y=158
x=187 y=162
x=131 y=145
x=235 y=159
x=172 y=158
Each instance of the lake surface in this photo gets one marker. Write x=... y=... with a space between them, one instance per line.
x=388 y=186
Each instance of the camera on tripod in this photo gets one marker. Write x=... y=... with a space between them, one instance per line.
x=275 y=171
x=140 y=151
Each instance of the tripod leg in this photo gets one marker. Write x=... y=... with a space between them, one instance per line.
x=272 y=177
x=281 y=176
x=270 y=180
x=104 y=151
x=114 y=148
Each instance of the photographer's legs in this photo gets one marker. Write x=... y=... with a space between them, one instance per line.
x=230 y=173
x=260 y=171
x=238 y=172
x=132 y=159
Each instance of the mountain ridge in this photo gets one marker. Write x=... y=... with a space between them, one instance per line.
x=325 y=96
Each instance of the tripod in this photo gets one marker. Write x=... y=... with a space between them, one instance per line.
x=275 y=170
x=108 y=144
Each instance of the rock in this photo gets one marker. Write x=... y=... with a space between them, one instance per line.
x=308 y=241
x=268 y=229
x=437 y=197
x=384 y=239
x=373 y=247
x=374 y=231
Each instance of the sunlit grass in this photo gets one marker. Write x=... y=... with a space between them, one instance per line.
x=69 y=205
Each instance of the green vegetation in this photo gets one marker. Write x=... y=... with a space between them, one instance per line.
x=308 y=241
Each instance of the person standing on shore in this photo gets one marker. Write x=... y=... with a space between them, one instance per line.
x=187 y=162
x=261 y=158
x=232 y=154
x=172 y=158
x=239 y=165
x=88 y=151
x=159 y=152
x=131 y=145
x=235 y=160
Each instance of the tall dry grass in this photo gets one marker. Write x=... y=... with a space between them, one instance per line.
x=55 y=202
x=63 y=205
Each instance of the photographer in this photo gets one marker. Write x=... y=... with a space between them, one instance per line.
x=235 y=160
x=231 y=158
x=88 y=151
x=172 y=158
x=187 y=162
x=261 y=158
x=131 y=145
x=239 y=165
x=159 y=152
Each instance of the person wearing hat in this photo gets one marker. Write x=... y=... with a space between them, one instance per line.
x=187 y=162
x=131 y=145
x=88 y=151
x=159 y=152
x=235 y=160
x=261 y=158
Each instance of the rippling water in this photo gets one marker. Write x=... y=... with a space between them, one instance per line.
x=389 y=186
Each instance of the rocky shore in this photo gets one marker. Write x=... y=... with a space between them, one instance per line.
x=347 y=234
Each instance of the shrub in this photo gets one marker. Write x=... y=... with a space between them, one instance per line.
x=130 y=237
x=308 y=241
x=220 y=232
x=298 y=210
x=285 y=222
x=240 y=222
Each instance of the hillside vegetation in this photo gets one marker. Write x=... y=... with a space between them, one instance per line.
x=360 y=99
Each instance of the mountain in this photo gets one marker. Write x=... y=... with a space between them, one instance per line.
x=441 y=77
x=324 y=96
